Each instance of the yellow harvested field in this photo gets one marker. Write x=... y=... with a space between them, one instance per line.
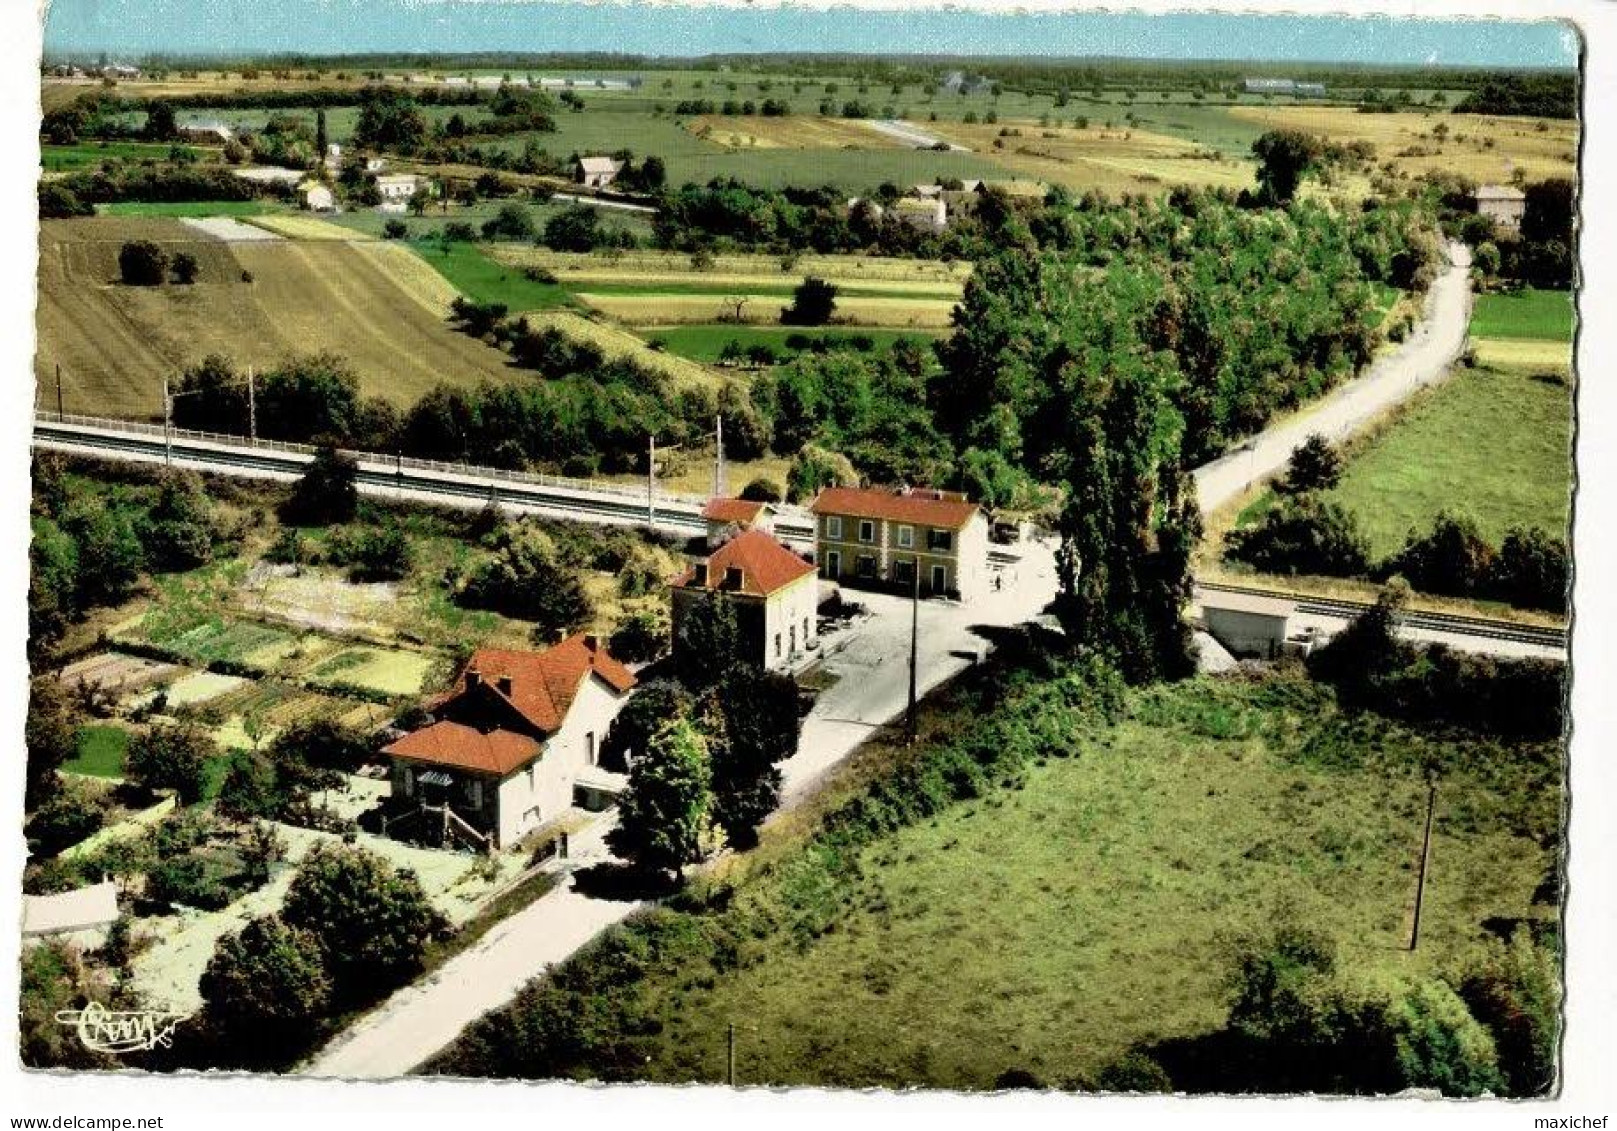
x=684 y=309
x=1477 y=146
x=1107 y=160
x=308 y=228
x=1524 y=353
x=378 y=307
x=615 y=342
x=797 y=131
x=660 y=266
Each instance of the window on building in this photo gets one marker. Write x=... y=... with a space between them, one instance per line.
x=777 y=645
x=409 y=781
x=833 y=565
x=904 y=571
x=906 y=537
x=833 y=526
x=867 y=566
x=590 y=754
x=474 y=793
x=942 y=540
x=867 y=530
x=805 y=630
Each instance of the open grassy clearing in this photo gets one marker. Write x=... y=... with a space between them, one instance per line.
x=681 y=309
x=372 y=306
x=1491 y=443
x=705 y=343
x=90 y=154
x=1116 y=160
x=474 y=274
x=792 y=132
x=1492 y=149
x=1535 y=354
x=100 y=752
x=1527 y=313
x=1049 y=926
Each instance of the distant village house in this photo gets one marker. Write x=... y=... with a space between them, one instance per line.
x=726 y=518
x=1502 y=204
x=597 y=172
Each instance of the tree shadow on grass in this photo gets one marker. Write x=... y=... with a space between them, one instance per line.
x=620 y=882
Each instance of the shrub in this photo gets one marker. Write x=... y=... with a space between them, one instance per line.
x=1314 y=466
x=640 y=637
x=185 y=267
x=1515 y=991
x=328 y=492
x=763 y=490
x=1452 y=558
x=813 y=303
x=1303 y=535
x=1531 y=570
x=171 y=757
x=141 y=263
x=71 y=814
x=395 y=229
x=263 y=987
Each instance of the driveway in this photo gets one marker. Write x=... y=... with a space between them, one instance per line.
x=1420 y=360
x=870 y=658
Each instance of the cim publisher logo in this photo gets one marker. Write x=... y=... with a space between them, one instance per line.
x=117 y=1032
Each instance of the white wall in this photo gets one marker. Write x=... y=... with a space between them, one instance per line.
x=548 y=784
x=786 y=609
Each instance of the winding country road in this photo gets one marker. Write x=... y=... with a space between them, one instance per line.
x=1422 y=359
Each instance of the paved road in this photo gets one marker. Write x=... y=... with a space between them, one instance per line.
x=422 y=1018
x=1422 y=359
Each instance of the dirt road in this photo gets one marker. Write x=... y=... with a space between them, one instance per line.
x=1422 y=359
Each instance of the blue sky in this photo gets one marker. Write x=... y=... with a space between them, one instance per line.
x=136 y=27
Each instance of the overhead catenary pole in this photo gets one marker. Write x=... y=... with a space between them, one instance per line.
x=60 y=415
x=252 y=408
x=168 y=426
x=730 y=1073
x=651 y=483
x=915 y=649
x=718 y=458
x=1425 y=861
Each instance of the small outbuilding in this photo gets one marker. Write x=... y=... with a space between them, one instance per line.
x=1248 y=624
x=596 y=172
x=317 y=197
x=1502 y=204
x=726 y=518
x=88 y=909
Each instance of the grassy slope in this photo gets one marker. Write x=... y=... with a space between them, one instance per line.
x=67 y=158
x=482 y=279
x=100 y=753
x=115 y=342
x=1528 y=313
x=1051 y=927
x=1494 y=443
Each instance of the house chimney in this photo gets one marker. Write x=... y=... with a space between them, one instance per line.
x=504 y=684
x=474 y=678
x=592 y=642
x=735 y=578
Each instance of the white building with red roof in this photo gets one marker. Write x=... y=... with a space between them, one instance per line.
x=727 y=517
x=511 y=745
x=774 y=593
x=886 y=537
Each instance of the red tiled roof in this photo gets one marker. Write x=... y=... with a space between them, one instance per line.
x=467 y=748
x=732 y=510
x=538 y=686
x=922 y=506
x=766 y=566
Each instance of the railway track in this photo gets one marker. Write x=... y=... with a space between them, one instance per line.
x=1485 y=627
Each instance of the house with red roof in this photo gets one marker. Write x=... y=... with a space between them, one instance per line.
x=887 y=537
x=726 y=518
x=774 y=592
x=514 y=743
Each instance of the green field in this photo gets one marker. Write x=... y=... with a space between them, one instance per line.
x=1048 y=925
x=430 y=223
x=704 y=343
x=481 y=279
x=185 y=208
x=1528 y=313
x=67 y=158
x=100 y=753
x=1491 y=443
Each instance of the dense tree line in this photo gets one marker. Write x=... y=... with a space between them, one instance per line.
x=71 y=194
x=1525 y=95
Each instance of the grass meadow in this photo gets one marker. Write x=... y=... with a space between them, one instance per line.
x=1527 y=313
x=100 y=752
x=705 y=343
x=1493 y=443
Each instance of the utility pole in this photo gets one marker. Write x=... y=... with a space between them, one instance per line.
x=651 y=483
x=915 y=648
x=731 y=1076
x=59 y=413
x=1425 y=860
x=252 y=409
x=168 y=426
x=718 y=459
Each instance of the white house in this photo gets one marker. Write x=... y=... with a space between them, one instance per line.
x=1248 y=624
x=512 y=745
x=317 y=197
x=397 y=187
x=726 y=518
x=597 y=172
x=1502 y=204
x=774 y=593
x=271 y=175
x=209 y=131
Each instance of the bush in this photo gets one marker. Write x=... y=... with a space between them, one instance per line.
x=763 y=490
x=141 y=263
x=525 y=578
x=263 y=988
x=328 y=492
x=207 y=881
x=395 y=229
x=171 y=757
x=1452 y=558
x=640 y=638
x=185 y=267
x=814 y=468
x=813 y=303
x=71 y=814
x=1531 y=571
x=1314 y=466
x=1303 y=535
